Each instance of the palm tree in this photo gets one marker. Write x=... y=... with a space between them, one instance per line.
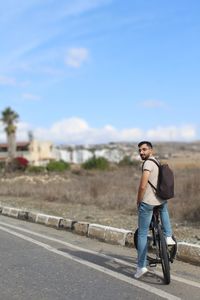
x=9 y=117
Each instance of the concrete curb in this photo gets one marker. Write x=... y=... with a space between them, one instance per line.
x=48 y=220
x=189 y=252
x=109 y=234
x=80 y=228
x=186 y=252
x=67 y=224
x=10 y=211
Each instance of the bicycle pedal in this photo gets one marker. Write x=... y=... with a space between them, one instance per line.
x=151 y=265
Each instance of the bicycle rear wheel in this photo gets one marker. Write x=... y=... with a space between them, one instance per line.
x=164 y=257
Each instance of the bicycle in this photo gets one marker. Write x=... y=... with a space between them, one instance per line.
x=158 y=252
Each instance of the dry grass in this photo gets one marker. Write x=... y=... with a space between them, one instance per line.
x=106 y=190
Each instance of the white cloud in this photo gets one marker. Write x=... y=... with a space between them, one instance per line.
x=23 y=129
x=75 y=57
x=28 y=96
x=7 y=81
x=77 y=131
x=173 y=133
x=2 y=133
x=10 y=81
x=21 y=134
x=70 y=130
x=153 y=103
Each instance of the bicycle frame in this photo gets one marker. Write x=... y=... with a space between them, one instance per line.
x=154 y=228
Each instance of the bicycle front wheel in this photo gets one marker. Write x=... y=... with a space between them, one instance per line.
x=164 y=256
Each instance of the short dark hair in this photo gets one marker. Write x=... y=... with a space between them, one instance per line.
x=149 y=144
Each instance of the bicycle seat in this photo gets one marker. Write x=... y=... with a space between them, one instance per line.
x=156 y=208
x=155 y=216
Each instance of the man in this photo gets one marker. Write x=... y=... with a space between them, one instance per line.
x=146 y=200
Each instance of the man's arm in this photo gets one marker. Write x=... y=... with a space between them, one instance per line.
x=143 y=185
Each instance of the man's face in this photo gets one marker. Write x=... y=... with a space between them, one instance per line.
x=145 y=151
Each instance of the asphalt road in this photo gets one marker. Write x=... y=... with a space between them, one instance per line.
x=38 y=262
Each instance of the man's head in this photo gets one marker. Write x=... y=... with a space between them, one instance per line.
x=145 y=149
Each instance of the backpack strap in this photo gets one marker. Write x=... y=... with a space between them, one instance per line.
x=158 y=165
x=155 y=161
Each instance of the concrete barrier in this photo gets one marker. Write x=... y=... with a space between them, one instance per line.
x=41 y=218
x=32 y=216
x=48 y=220
x=111 y=235
x=80 y=228
x=23 y=215
x=14 y=212
x=6 y=211
x=97 y=231
x=54 y=221
x=129 y=242
x=67 y=224
x=186 y=251
x=116 y=235
x=10 y=211
x=189 y=252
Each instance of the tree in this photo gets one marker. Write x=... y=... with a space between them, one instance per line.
x=9 y=118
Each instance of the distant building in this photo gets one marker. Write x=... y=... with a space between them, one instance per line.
x=36 y=152
x=80 y=154
x=41 y=152
x=76 y=155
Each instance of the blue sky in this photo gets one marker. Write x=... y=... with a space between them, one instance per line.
x=96 y=71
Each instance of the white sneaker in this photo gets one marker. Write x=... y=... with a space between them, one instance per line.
x=170 y=241
x=140 y=272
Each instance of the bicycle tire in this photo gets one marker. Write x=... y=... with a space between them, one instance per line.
x=173 y=250
x=164 y=257
x=135 y=239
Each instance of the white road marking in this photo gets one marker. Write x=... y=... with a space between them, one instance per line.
x=116 y=275
x=179 y=279
x=69 y=244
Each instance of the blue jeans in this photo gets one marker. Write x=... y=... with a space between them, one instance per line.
x=145 y=212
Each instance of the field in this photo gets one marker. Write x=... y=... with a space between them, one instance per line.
x=109 y=197
x=90 y=195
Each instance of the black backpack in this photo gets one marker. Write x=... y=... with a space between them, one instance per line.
x=165 y=186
